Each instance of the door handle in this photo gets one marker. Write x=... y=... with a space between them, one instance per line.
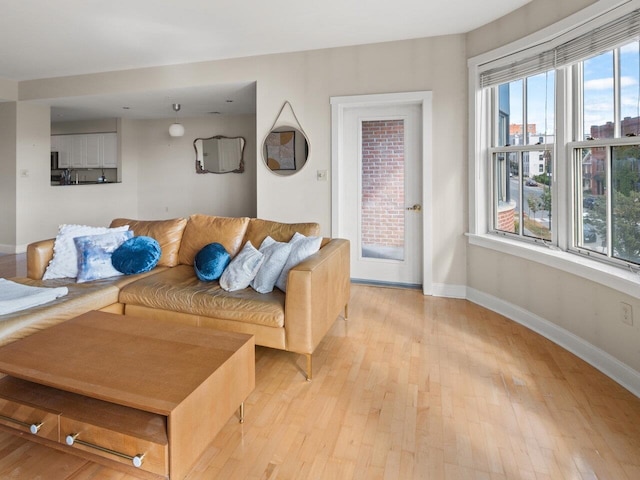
x=416 y=208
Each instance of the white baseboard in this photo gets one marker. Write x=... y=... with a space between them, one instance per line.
x=449 y=291
x=12 y=249
x=610 y=366
x=7 y=249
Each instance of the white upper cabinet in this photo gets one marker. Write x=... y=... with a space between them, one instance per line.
x=92 y=150
x=110 y=150
x=78 y=151
x=93 y=158
x=62 y=145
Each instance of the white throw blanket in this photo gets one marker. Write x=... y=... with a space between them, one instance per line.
x=15 y=296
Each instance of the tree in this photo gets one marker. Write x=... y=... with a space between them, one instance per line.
x=533 y=203
x=545 y=199
x=626 y=226
x=624 y=208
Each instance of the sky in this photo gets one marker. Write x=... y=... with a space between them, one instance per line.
x=598 y=92
x=598 y=86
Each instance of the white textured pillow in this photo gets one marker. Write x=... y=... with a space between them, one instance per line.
x=301 y=248
x=242 y=269
x=65 y=257
x=275 y=256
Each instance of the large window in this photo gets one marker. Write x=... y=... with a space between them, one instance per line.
x=522 y=156
x=607 y=179
x=590 y=86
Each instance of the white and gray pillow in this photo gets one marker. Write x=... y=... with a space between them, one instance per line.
x=301 y=248
x=242 y=269
x=275 y=257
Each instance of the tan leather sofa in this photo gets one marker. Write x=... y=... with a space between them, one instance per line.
x=318 y=288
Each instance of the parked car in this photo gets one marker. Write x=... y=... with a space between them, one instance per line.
x=531 y=183
x=589 y=234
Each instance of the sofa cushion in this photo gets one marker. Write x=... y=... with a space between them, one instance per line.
x=211 y=261
x=168 y=233
x=259 y=229
x=81 y=298
x=204 y=229
x=178 y=289
x=137 y=255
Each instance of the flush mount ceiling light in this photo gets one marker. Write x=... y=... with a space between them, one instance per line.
x=176 y=129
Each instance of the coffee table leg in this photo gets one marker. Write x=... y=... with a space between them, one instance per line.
x=241 y=412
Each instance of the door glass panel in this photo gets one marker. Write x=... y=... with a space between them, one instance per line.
x=382 y=224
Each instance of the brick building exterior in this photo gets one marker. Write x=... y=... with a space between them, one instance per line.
x=383 y=182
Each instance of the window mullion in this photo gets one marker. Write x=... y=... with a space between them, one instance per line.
x=577 y=82
x=617 y=128
x=525 y=116
x=609 y=204
x=525 y=138
x=561 y=186
x=521 y=192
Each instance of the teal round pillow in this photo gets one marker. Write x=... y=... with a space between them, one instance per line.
x=211 y=261
x=136 y=255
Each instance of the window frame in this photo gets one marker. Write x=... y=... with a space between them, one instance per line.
x=495 y=127
x=556 y=254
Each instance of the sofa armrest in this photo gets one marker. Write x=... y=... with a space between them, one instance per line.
x=318 y=289
x=39 y=254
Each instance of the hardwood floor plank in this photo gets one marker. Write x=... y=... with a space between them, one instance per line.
x=13 y=265
x=408 y=387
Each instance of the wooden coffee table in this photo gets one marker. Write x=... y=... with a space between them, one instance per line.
x=145 y=395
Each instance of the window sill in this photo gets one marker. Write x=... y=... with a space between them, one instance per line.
x=610 y=276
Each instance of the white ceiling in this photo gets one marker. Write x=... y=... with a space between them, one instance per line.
x=225 y=99
x=42 y=39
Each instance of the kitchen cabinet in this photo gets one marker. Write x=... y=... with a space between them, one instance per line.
x=78 y=151
x=92 y=150
x=62 y=145
x=93 y=156
x=110 y=150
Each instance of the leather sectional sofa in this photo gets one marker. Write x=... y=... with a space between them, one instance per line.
x=318 y=288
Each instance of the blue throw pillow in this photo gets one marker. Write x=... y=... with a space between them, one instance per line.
x=211 y=261
x=136 y=255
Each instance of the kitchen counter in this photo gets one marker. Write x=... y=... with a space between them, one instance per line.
x=81 y=182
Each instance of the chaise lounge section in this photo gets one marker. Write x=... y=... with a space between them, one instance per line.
x=317 y=290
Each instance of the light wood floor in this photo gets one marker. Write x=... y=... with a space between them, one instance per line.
x=410 y=387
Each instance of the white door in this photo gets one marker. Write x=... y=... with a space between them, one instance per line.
x=380 y=192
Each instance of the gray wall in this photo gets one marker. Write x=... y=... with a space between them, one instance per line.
x=8 y=176
x=539 y=293
x=307 y=80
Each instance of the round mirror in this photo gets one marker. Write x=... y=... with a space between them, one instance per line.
x=285 y=150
